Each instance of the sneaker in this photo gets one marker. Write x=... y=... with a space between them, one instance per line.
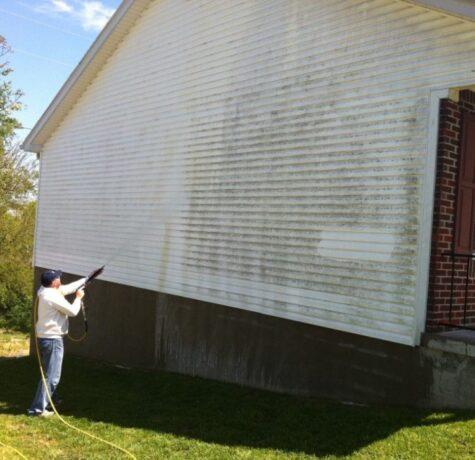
x=45 y=413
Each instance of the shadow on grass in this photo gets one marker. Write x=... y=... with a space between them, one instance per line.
x=210 y=411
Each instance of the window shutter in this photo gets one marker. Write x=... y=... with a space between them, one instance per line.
x=465 y=227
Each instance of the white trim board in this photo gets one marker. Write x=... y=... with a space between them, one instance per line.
x=426 y=211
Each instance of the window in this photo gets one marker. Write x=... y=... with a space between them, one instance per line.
x=465 y=225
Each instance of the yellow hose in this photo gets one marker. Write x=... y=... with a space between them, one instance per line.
x=82 y=337
x=50 y=399
x=14 y=450
x=79 y=339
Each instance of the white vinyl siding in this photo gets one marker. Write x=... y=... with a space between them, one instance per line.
x=263 y=155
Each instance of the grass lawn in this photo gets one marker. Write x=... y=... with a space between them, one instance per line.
x=13 y=344
x=160 y=415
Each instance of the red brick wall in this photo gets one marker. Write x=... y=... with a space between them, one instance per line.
x=444 y=219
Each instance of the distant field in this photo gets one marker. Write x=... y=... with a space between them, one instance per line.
x=160 y=415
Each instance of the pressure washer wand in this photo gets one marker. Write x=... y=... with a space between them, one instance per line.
x=89 y=279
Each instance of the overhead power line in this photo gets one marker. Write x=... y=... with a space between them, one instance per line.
x=45 y=58
x=44 y=24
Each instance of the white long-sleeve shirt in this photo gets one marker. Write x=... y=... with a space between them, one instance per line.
x=54 y=309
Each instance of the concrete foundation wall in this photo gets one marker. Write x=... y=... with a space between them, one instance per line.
x=140 y=328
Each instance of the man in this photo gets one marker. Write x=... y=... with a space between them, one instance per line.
x=51 y=326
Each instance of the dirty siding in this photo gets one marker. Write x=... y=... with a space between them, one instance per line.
x=262 y=155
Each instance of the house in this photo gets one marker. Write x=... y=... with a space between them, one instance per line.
x=260 y=179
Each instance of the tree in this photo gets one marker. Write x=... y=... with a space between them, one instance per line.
x=17 y=208
x=9 y=99
x=16 y=173
x=16 y=275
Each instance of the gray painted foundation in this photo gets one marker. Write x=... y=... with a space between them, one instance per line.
x=140 y=328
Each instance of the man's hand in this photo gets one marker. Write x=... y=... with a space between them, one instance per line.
x=79 y=294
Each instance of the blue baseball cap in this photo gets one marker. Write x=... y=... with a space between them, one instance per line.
x=49 y=276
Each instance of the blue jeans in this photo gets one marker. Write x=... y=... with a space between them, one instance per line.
x=52 y=352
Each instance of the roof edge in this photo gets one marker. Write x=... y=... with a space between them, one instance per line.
x=464 y=9
x=130 y=9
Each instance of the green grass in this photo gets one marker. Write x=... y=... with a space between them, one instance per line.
x=13 y=344
x=161 y=415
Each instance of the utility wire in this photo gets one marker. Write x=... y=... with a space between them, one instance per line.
x=44 y=24
x=39 y=56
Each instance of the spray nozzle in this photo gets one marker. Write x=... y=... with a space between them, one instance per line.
x=94 y=275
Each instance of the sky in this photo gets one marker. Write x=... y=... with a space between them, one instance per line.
x=48 y=38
